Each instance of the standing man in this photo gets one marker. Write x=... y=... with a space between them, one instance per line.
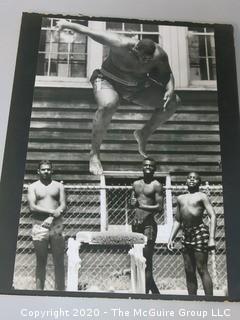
x=47 y=203
x=137 y=71
x=197 y=238
x=147 y=199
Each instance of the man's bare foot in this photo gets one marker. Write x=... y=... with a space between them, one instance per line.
x=95 y=166
x=141 y=142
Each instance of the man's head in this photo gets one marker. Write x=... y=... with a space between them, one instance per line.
x=193 y=180
x=144 y=50
x=45 y=170
x=149 y=167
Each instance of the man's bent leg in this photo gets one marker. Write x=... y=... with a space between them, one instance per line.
x=41 y=251
x=202 y=267
x=158 y=117
x=153 y=96
x=107 y=100
x=190 y=271
x=57 y=243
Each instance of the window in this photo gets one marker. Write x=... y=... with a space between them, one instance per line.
x=139 y=31
x=68 y=59
x=201 y=48
x=61 y=55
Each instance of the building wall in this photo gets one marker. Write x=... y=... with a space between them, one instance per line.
x=61 y=131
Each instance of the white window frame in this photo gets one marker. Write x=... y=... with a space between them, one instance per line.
x=137 y=33
x=94 y=60
x=174 y=41
x=202 y=83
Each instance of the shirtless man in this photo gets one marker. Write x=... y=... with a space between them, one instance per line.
x=197 y=238
x=147 y=199
x=47 y=203
x=137 y=71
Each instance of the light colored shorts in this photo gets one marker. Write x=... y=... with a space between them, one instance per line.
x=41 y=233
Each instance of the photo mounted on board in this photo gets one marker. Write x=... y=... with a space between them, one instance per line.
x=123 y=185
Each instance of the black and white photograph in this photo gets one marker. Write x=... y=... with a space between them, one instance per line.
x=123 y=189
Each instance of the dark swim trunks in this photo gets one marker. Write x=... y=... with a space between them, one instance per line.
x=195 y=238
x=145 y=223
x=143 y=92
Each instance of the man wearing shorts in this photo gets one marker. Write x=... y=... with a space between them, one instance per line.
x=47 y=203
x=137 y=71
x=197 y=238
x=147 y=199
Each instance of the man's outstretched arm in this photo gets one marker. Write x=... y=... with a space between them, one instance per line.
x=107 y=38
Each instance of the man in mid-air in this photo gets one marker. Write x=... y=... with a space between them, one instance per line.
x=198 y=239
x=135 y=70
x=147 y=200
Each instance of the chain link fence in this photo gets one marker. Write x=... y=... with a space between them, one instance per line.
x=106 y=268
x=118 y=199
x=169 y=269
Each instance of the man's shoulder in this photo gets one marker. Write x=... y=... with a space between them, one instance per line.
x=155 y=180
x=199 y=194
x=160 y=53
x=203 y=195
x=179 y=197
x=38 y=183
x=57 y=183
x=156 y=183
x=182 y=196
x=137 y=181
x=33 y=184
x=124 y=45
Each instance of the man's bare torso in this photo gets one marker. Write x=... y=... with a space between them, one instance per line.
x=191 y=208
x=125 y=60
x=145 y=192
x=47 y=196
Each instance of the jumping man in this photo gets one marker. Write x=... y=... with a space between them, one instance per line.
x=147 y=199
x=137 y=71
x=47 y=203
x=197 y=239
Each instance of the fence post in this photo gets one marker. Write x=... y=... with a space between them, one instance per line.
x=169 y=211
x=138 y=265
x=127 y=226
x=74 y=263
x=103 y=204
x=212 y=253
